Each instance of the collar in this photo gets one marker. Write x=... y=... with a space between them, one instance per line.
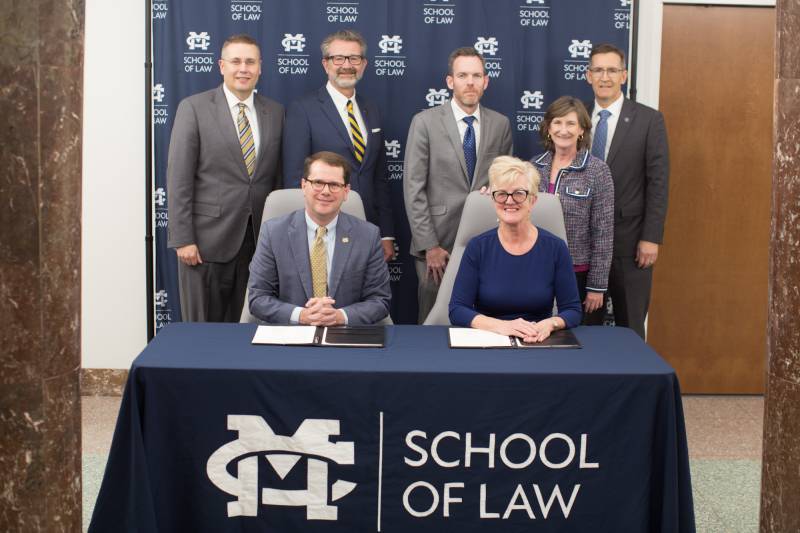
x=339 y=100
x=460 y=114
x=615 y=107
x=312 y=226
x=233 y=100
x=578 y=163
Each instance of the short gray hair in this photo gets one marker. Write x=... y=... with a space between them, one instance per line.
x=343 y=35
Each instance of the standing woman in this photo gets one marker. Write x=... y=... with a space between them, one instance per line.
x=584 y=186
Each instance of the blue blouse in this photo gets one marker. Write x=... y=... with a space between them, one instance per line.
x=495 y=283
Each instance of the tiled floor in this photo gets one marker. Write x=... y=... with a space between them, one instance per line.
x=724 y=435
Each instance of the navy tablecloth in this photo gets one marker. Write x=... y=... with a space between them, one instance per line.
x=216 y=434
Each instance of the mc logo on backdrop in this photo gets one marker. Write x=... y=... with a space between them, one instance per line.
x=577 y=63
x=390 y=62
x=293 y=61
x=282 y=452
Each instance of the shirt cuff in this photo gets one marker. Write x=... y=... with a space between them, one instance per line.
x=387 y=238
x=345 y=316
x=295 y=317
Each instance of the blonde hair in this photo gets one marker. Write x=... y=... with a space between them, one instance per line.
x=505 y=169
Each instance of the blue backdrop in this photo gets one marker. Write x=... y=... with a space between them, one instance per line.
x=535 y=51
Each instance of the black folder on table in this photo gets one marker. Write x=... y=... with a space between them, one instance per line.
x=472 y=338
x=345 y=336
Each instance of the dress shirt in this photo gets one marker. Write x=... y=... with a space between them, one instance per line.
x=340 y=103
x=330 y=243
x=249 y=112
x=462 y=126
x=615 y=109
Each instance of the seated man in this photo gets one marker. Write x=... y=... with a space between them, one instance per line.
x=319 y=266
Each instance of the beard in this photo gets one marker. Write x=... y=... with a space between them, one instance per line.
x=347 y=83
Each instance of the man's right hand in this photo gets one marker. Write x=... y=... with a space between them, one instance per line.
x=320 y=312
x=436 y=260
x=189 y=255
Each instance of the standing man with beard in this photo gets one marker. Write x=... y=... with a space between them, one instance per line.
x=448 y=154
x=336 y=119
x=224 y=158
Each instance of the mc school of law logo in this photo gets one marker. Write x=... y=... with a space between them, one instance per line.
x=530 y=116
x=311 y=441
x=436 y=97
x=439 y=12
x=575 y=67
x=488 y=48
x=338 y=11
x=622 y=15
x=534 y=14
x=160 y=109
x=293 y=61
x=197 y=59
x=246 y=10
x=160 y=10
x=390 y=62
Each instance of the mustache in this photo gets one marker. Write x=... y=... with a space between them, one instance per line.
x=345 y=71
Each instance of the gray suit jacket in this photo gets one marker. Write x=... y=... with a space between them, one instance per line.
x=280 y=272
x=435 y=183
x=639 y=161
x=209 y=193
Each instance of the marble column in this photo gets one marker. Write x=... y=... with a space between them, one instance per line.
x=41 y=68
x=780 y=481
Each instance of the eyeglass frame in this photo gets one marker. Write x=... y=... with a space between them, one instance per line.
x=510 y=195
x=319 y=185
x=610 y=71
x=338 y=60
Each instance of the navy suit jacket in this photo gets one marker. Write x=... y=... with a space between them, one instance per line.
x=280 y=272
x=313 y=124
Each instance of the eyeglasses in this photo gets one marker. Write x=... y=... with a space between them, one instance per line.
x=339 y=60
x=319 y=185
x=612 y=72
x=236 y=62
x=518 y=196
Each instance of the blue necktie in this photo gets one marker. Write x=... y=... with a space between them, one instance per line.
x=600 y=135
x=469 y=148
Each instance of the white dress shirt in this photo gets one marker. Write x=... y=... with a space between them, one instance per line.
x=615 y=109
x=462 y=126
x=249 y=112
x=340 y=103
x=330 y=243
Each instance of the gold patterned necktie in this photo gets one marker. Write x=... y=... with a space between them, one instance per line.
x=319 y=263
x=355 y=132
x=246 y=140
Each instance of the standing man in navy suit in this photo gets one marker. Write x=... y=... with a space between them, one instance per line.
x=632 y=139
x=336 y=119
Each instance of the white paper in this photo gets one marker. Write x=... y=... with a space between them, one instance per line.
x=284 y=335
x=477 y=338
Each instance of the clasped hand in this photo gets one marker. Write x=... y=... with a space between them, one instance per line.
x=320 y=312
x=527 y=331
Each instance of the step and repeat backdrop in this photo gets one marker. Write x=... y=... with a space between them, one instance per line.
x=535 y=51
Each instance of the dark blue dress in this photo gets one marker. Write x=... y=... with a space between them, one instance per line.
x=495 y=283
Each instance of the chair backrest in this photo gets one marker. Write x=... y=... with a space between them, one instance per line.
x=285 y=201
x=479 y=216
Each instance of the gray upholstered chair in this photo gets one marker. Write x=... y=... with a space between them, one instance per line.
x=479 y=216
x=285 y=201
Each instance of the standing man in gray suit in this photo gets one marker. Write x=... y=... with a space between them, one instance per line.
x=224 y=158
x=319 y=266
x=448 y=153
x=632 y=140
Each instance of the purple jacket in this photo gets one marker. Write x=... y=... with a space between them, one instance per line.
x=586 y=192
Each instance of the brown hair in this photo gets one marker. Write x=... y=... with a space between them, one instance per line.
x=343 y=35
x=464 y=51
x=329 y=158
x=561 y=107
x=241 y=38
x=606 y=48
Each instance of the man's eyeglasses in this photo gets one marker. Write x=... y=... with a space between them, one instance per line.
x=518 y=196
x=236 y=62
x=339 y=60
x=319 y=185
x=612 y=72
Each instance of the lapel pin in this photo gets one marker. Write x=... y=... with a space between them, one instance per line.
x=627 y=119
x=345 y=240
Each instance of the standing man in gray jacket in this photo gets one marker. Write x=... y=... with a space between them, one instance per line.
x=224 y=159
x=448 y=153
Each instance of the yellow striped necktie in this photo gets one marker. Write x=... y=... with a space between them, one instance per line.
x=359 y=146
x=319 y=263
x=246 y=140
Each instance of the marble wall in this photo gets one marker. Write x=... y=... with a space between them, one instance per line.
x=780 y=484
x=41 y=68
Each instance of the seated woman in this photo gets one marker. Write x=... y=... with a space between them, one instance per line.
x=508 y=276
